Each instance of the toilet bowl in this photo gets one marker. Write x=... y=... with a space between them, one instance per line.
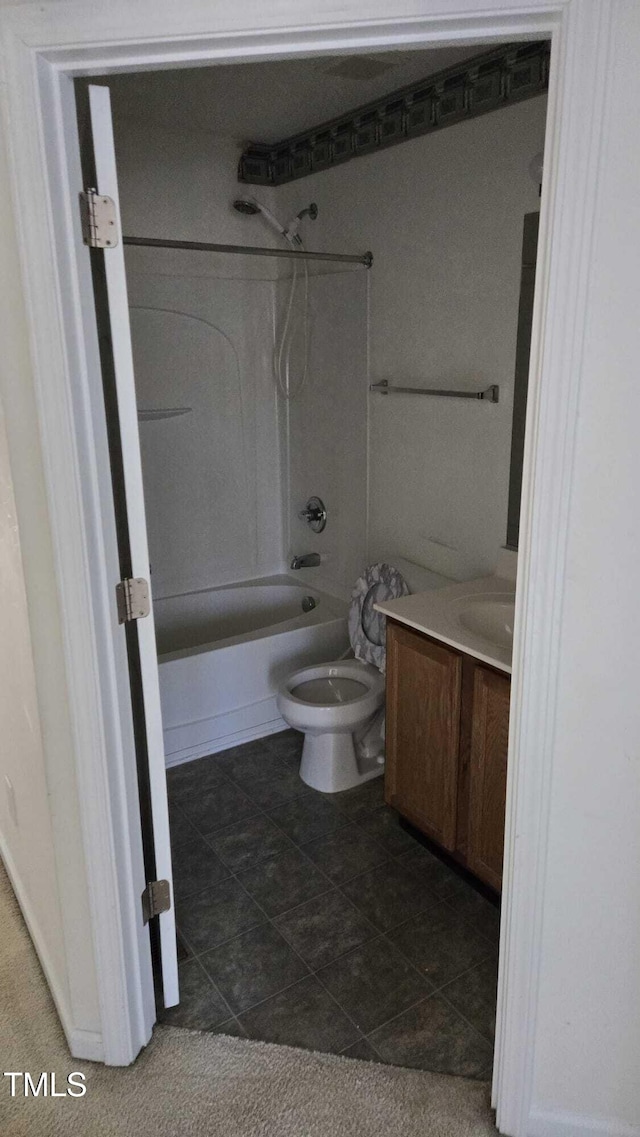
x=328 y=703
x=332 y=702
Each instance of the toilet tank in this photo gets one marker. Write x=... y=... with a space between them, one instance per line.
x=419 y=578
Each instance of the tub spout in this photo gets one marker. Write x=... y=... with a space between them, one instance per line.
x=306 y=560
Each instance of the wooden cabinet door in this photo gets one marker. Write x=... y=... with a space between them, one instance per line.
x=488 y=775
x=422 y=733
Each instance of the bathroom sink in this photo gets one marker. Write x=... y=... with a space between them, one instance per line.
x=489 y=616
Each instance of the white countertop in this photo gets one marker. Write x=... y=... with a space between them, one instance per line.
x=436 y=613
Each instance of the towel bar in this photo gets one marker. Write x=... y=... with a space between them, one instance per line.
x=491 y=394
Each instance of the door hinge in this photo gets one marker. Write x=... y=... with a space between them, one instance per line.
x=156 y=899
x=98 y=218
x=132 y=598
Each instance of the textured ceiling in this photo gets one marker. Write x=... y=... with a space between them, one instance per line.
x=267 y=101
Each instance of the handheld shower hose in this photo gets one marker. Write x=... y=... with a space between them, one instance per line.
x=283 y=349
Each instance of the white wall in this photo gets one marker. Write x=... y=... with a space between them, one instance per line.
x=443 y=216
x=202 y=328
x=40 y=838
x=26 y=838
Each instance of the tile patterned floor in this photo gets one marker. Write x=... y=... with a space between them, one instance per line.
x=319 y=922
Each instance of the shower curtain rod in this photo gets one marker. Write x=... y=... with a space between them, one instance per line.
x=207 y=247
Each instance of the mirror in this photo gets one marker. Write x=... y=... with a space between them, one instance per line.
x=521 y=379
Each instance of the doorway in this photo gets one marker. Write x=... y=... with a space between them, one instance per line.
x=380 y=943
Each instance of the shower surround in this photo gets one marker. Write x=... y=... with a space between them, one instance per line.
x=225 y=481
x=202 y=339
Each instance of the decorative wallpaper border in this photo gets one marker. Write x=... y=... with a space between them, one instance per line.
x=484 y=83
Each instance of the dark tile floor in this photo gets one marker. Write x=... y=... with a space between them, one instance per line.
x=319 y=922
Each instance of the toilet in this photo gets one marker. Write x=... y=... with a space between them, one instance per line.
x=333 y=702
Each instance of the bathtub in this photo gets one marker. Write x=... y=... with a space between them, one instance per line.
x=223 y=653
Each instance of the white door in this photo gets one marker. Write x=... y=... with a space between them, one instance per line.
x=112 y=311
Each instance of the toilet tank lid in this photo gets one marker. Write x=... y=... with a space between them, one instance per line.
x=418 y=577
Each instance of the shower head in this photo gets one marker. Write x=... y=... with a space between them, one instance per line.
x=246 y=205
x=249 y=206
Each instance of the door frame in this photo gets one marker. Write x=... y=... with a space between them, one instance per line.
x=45 y=46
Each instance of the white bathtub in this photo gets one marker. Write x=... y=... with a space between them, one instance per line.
x=224 y=652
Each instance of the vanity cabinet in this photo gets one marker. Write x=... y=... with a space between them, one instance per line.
x=446 y=741
x=488 y=774
x=423 y=732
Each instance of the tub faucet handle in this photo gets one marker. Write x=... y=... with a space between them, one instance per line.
x=314 y=514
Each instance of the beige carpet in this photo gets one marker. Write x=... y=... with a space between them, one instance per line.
x=188 y=1083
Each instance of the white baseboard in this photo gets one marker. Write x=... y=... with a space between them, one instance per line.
x=547 y=1124
x=220 y=732
x=82 y=1043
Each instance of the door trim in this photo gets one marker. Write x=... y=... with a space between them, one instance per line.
x=39 y=131
x=87 y=561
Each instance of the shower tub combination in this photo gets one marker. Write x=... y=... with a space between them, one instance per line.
x=224 y=652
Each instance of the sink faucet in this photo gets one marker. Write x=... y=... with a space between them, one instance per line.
x=306 y=560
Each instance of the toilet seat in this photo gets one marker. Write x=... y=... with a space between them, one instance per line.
x=333 y=689
x=334 y=713
x=378 y=583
